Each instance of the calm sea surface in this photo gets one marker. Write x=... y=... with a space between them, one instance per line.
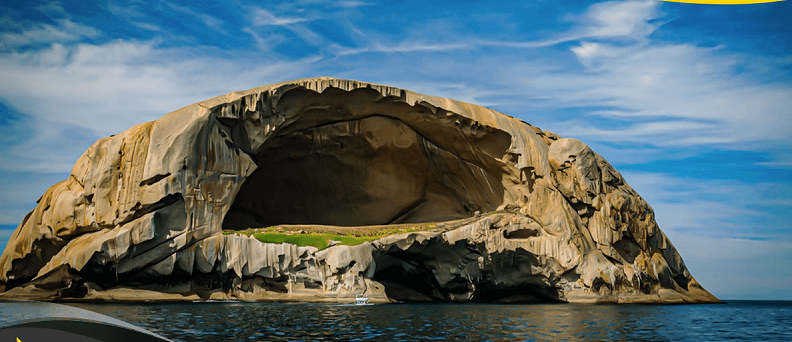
x=737 y=320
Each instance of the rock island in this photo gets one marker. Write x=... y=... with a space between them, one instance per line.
x=324 y=190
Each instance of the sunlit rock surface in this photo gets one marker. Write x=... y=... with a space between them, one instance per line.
x=142 y=215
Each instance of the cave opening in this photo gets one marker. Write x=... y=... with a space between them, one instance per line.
x=371 y=169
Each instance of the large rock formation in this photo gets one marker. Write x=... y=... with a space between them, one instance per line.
x=142 y=214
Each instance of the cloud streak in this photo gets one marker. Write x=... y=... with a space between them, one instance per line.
x=732 y=243
x=100 y=88
x=262 y=17
x=82 y=92
x=716 y=208
x=64 y=31
x=691 y=96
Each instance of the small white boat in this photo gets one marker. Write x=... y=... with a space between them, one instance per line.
x=361 y=300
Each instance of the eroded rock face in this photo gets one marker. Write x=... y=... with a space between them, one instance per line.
x=374 y=170
x=143 y=212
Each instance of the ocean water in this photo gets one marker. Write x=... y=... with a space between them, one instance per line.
x=234 y=321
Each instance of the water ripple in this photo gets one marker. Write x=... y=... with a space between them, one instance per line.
x=741 y=320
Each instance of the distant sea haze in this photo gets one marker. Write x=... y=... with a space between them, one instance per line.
x=237 y=321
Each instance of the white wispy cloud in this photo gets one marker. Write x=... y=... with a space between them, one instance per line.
x=403 y=47
x=37 y=146
x=639 y=132
x=133 y=15
x=690 y=95
x=206 y=19
x=351 y=4
x=733 y=268
x=264 y=42
x=693 y=95
x=662 y=93
x=673 y=81
x=262 y=17
x=63 y=31
x=783 y=158
x=263 y=21
x=52 y=9
x=730 y=242
x=20 y=190
x=104 y=89
x=712 y=207
x=619 y=19
x=100 y=87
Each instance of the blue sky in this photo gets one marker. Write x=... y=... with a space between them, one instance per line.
x=692 y=103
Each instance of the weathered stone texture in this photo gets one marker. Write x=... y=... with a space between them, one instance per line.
x=143 y=212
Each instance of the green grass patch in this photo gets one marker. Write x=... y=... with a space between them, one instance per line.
x=317 y=240
x=276 y=234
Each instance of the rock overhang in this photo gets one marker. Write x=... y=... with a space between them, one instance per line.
x=360 y=158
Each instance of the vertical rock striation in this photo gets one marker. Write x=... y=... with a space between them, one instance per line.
x=142 y=214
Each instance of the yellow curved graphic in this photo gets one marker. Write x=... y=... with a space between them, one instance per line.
x=723 y=2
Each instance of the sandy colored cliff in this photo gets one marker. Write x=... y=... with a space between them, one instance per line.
x=517 y=214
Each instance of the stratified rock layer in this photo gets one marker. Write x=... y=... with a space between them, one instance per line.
x=143 y=212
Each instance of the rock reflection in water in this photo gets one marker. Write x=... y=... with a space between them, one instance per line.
x=468 y=322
